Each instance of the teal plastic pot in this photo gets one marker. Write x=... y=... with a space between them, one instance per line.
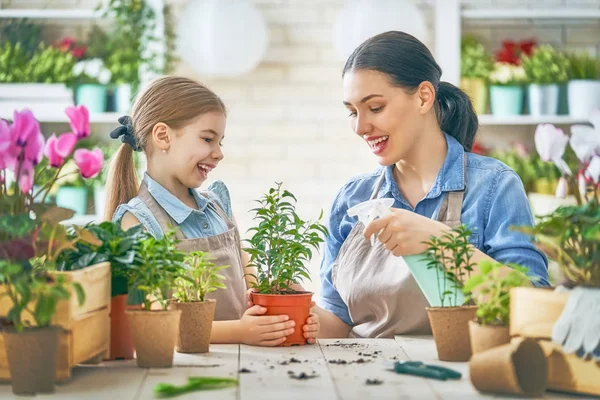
x=506 y=100
x=92 y=96
x=73 y=198
x=123 y=96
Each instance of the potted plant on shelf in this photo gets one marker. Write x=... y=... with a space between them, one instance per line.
x=476 y=64
x=490 y=329
x=546 y=70
x=155 y=271
x=118 y=247
x=30 y=338
x=506 y=89
x=197 y=312
x=91 y=78
x=450 y=256
x=281 y=245
x=584 y=85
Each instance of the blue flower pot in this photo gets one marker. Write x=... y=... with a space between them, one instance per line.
x=92 y=96
x=73 y=198
x=543 y=99
x=123 y=98
x=506 y=100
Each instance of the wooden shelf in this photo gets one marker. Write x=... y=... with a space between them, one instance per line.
x=531 y=13
x=51 y=13
x=491 y=120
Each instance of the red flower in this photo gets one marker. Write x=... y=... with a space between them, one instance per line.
x=66 y=44
x=78 y=52
x=479 y=149
x=511 y=51
x=527 y=46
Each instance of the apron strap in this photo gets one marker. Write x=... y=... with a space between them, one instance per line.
x=164 y=220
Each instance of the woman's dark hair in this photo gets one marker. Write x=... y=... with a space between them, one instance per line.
x=408 y=62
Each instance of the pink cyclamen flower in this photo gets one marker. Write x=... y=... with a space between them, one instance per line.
x=4 y=143
x=79 y=118
x=59 y=148
x=24 y=128
x=89 y=162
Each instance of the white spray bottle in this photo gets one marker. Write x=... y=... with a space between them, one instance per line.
x=426 y=278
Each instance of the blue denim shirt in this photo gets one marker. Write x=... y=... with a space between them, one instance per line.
x=494 y=201
x=194 y=223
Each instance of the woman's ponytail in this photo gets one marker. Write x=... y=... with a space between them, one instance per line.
x=455 y=114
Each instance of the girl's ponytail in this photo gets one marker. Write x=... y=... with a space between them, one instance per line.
x=122 y=182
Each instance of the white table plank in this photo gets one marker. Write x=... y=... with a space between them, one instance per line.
x=422 y=348
x=269 y=379
x=220 y=361
x=350 y=378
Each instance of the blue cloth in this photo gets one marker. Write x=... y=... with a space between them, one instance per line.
x=194 y=224
x=494 y=201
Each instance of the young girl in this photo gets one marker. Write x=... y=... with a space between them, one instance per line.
x=179 y=124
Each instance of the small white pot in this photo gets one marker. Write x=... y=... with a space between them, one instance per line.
x=543 y=99
x=584 y=96
x=99 y=200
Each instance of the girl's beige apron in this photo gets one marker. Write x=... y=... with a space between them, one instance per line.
x=382 y=296
x=224 y=248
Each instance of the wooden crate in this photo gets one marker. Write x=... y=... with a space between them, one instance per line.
x=534 y=311
x=85 y=329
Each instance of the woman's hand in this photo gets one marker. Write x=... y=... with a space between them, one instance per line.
x=403 y=232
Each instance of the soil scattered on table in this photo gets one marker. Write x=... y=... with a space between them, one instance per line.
x=291 y=361
x=302 y=376
x=245 y=371
x=345 y=362
x=373 y=382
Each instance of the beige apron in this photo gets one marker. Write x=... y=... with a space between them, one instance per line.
x=224 y=248
x=382 y=296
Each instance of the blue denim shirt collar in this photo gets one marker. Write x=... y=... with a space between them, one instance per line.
x=450 y=178
x=176 y=209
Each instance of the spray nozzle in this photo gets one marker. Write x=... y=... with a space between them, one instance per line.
x=369 y=210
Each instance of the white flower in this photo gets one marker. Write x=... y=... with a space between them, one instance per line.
x=593 y=170
x=79 y=68
x=505 y=73
x=582 y=184
x=550 y=143
x=104 y=76
x=585 y=141
x=561 y=188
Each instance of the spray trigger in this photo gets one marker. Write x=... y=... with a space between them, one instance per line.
x=369 y=210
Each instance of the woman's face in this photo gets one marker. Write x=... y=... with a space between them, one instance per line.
x=387 y=117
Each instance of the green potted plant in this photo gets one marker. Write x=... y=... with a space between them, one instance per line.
x=71 y=190
x=197 y=311
x=546 y=70
x=476 y=64
x=450 y=256
x=119 y=248
x=280 y=247
x=91 y=80
x=30 y=339
x=491 y=327
x=506 y=89
x=154 y=272
x=584 y=85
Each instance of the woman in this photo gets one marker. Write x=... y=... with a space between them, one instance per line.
x=421 y=131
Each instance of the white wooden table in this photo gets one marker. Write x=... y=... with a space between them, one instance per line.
x=270 y=374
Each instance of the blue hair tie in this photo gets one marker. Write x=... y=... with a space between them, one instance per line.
x=125 y=132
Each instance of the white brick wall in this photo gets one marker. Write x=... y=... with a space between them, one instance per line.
x=286 y=122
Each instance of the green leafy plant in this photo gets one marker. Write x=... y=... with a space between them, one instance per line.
x=450 y=255
x=50 y=65
x=282 y=242
x=34 y=294
x=546 y=66
x=23 y=32
x=475 y=60
x=194 y=383
x=493 y=300
x=201 y=278
x=582 y=66
x=13 y=63
x=114 y=245
x=155 y=270
x=571 y=236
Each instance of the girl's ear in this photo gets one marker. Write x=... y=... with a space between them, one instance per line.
x=161 y=136
x=426 y=96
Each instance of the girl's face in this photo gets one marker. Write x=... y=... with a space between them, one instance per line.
x=387 y=117
x=195 y=149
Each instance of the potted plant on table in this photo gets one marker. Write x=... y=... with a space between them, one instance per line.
x=476 y=64
x=584 y=85
x=91 y=78
x=155 y=271
x=281 y=245
x=491 y=327
x=450 y=256
x=30 y=339
x=197 y=312
x=506 y=89
x=546 y=69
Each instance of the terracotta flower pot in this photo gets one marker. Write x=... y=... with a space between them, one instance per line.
x=121 y=342
x=154 y=336
x=195 y=326
x=485 y=337
x=450 y=326
x=519 y=367
x=32 y=358
x=534 y=311
x=296 y=306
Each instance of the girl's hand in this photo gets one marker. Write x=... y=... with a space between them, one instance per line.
x=260 y=330
x=403 y=232
x=249 y=301
x=311 y=329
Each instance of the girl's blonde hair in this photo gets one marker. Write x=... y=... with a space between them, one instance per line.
x=173 y=100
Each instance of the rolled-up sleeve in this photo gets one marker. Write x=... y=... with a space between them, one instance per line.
x=507 y=207
x=330 y=299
